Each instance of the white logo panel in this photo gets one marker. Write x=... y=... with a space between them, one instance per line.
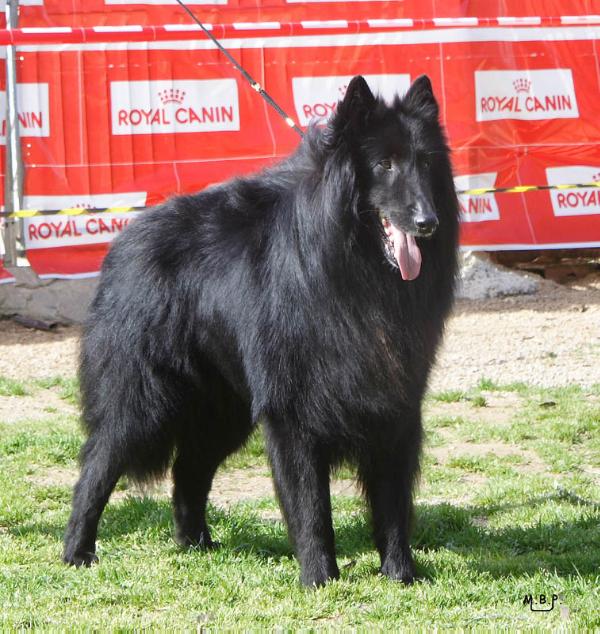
x=479 y=207
x=33 y=111
x=525 y=94
x=317 y=97
x=173 y=107
x=574 y=202
x=45 y=232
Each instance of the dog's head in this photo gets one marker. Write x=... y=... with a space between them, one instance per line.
x=400 y=153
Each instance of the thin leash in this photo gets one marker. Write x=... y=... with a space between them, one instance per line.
x=245 y=74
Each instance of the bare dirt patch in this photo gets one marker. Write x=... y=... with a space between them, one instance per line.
x=531 y=461
x=464 y=490
x=499 y=408
x=42 y=405
x=229 y=487
x=234 y=486
x=551 y=338
x=28 y=354
x=55 y=476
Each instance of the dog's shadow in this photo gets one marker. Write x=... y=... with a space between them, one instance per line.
x=467 y=530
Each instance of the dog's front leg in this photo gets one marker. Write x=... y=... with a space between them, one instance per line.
x=388 y=476
x=301 y=474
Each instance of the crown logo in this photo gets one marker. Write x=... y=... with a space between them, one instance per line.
x=596 y=178
x=522 y=84
x=171 y=95
x=342 y=90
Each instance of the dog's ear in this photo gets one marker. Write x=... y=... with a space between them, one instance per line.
x=354 y=109
x=420 y=99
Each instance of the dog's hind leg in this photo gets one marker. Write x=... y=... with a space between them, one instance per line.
x=204 y=441
x=100 y=471
x=132 y=436
x=193 y=472
x=301 y=473
x=388 y=476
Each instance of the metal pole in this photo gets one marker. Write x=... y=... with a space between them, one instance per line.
x=13 y=183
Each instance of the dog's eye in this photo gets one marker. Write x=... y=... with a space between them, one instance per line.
x=386 y=164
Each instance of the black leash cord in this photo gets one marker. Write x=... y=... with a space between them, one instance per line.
x=254 y=84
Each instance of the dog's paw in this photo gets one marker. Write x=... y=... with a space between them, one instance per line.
x=198 y=542
x=403 y=571
x=80 y=558
x=319 y=576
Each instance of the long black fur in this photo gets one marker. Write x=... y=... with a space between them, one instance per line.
x=270 y=298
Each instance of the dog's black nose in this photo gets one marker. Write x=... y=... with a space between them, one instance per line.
x=426 y=226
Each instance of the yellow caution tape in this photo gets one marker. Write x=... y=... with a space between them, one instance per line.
x=478 y=191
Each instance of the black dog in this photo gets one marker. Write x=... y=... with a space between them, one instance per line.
x=310 y=297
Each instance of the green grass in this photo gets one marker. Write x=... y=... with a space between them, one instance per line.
x=474 y=396
x=252 y=454
x=10 y=387
x=479 y=401
x=491 y=386
x=562 y=425
x=449 y=396
x=487 y=532
x=69 y=388
x=487 y=384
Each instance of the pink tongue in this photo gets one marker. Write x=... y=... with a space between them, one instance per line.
x=407 y=254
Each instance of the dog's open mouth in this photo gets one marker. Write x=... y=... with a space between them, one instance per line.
x=402 y=250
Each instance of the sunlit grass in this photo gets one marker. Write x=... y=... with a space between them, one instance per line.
x=488 y=530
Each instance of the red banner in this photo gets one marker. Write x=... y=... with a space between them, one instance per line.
x=6 y=277
x=115 y=123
